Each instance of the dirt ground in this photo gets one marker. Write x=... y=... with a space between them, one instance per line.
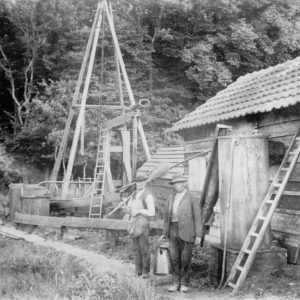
x=92 y=247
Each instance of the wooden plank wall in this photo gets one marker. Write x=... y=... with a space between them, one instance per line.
x=280 y=126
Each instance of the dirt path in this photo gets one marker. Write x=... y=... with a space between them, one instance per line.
x=101 y=264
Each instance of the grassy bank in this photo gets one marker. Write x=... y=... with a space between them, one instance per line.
x=31 y=272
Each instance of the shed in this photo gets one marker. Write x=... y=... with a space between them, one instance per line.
x=266 y=102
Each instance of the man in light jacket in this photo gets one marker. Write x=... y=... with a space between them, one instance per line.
x=183 y=227
x=141 y=208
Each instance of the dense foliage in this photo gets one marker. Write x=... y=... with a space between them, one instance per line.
x=177 y=54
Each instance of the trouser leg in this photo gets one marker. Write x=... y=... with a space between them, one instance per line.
x=137 y=255
x=145 y=251
x=174 y=252
x=186 y=259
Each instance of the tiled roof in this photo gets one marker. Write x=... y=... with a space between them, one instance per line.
x=256 y=92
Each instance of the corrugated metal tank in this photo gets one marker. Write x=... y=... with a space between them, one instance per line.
x=250 y=182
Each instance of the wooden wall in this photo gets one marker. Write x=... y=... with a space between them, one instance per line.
x=280 y=125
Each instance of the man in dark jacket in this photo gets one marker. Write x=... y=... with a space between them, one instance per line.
x=183 y=227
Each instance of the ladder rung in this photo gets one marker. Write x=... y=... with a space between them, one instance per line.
x=284 y=169
x=239 y=268
x=262 y=218
x=270 y=201
x=277 y=185
x=247 y=251
x=292 y=152
x=232 y=285
x=291 y=193
x=254 y=234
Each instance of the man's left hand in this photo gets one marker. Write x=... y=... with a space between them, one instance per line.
x=197 y=241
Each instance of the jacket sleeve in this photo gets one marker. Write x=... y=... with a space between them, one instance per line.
x=197 y=215
x=166 y=219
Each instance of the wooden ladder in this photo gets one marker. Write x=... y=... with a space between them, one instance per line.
x=260 y=224
x=96 y=201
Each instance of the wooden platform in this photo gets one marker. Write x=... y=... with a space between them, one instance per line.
x=92 y=223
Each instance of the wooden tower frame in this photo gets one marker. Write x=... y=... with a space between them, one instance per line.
x=127 y=114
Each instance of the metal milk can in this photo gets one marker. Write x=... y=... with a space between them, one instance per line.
x=162 y=264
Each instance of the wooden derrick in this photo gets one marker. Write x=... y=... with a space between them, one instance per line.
x=128 y=115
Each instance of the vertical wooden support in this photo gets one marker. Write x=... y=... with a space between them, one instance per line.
x=119 y=79
x=125 y=77
x=134 y=145
x=63 y=144
x=126 y=153
x=82 y=135
x=109 y=186
x=67 y=176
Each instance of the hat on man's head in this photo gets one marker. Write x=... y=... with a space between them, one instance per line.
x=178 y=178
x=139 y=178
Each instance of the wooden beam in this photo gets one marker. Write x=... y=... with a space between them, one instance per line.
x=116 y=149
x=134 y=145
x=119 y=79
x=143 y=138
x=63 y=143
x=58 y=222
x=119 y=121
x=112 y=107
x=125 y=76
x=126 y=154
x=110 y=185
x=81 y=113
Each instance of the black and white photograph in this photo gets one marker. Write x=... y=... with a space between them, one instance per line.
x=149 y=149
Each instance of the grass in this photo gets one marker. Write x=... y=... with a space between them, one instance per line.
x=31 y=272
x=284 y=283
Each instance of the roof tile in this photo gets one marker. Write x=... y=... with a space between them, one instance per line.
x=260 y=91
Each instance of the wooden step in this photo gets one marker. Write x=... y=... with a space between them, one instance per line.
x=270 y=201
x=232 y=285
x=247 y=251
x=239 y=268
x=284 y=169
x=291 y=193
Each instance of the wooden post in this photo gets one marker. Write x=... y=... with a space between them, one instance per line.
x=67 y=176
x=125 y=77
x=126 y=153
x=110 y=184
x=119 y=79
x=134 y=145
x=82 y=135
x=63 y=144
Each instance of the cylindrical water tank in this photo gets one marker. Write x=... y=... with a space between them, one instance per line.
x=250 y=182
